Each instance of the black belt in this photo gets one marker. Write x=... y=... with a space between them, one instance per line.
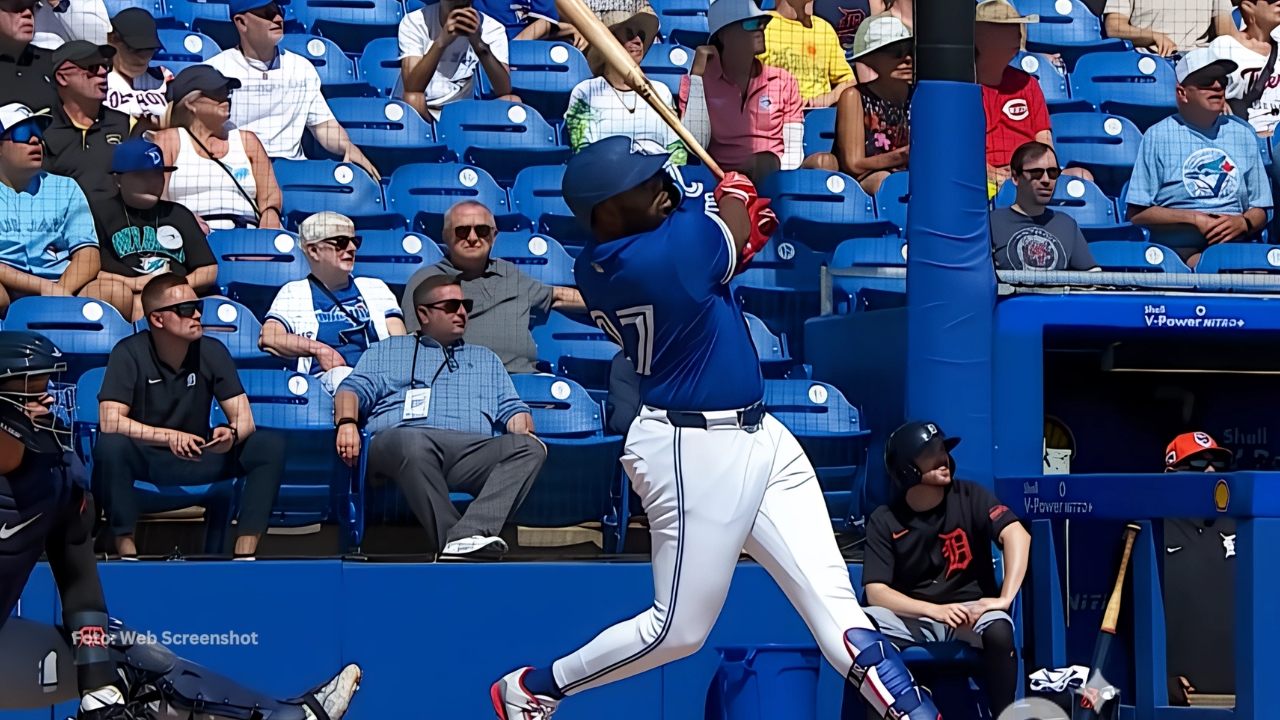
x=749 y=418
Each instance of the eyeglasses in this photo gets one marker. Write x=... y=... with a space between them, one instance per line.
x=267 y=12
x=186 y=309
x=1195 y=464
x=23 y=133
x=450 y=307
x=218 y=96
x=462 y=232
x=341 y=242
x=99 y=68
x=1037 y=173
x=18 y=6
x=1205 y=83
x=898 y=50
x=754 y=24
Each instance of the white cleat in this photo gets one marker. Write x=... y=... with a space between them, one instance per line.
x=335 y=695
x=512 y=701
x=476 y=544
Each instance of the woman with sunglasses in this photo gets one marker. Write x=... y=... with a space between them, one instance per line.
x=224 y=175
x=330 y=318
x=873 y=119
x=605 y=105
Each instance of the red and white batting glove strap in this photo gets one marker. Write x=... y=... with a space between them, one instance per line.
x=736 y=185
x=763 y=224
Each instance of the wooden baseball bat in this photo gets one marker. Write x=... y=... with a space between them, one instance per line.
x=1094 y=697
x=582 y=18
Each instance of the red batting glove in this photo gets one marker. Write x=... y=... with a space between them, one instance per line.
x=736 y=185
x=763 y=224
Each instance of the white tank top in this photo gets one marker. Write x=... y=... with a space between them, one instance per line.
x=206 y=189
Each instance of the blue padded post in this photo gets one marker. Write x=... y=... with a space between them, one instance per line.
x=1151 y=682
x=1049 y=626
x=1257 y=631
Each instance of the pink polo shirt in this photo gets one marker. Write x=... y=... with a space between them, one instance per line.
x=740 y=129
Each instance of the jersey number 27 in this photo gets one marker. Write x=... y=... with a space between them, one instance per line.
x=641 y=319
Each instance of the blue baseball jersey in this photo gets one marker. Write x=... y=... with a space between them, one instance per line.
x=664 y=297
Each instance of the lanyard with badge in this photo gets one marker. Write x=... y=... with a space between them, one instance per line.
x=417 y=400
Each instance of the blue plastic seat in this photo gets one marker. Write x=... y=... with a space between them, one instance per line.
x=539 y=256
x=1252 y=258
x=536 y=196
x=389 y=132
x=351 y=24
x=855 y=294
x=236 y=327
x=393 y=256
x=819 y=208
x=819 y=130
x=184 y=46
x=667 y=64
x=312 y=186
x=337 y=72
x=581 y=480
x=422 y=193
x=1069 y=34
x=254 y=264
x=544 y=73
x=1134 y=85
x=775 y=357
x=832 y=436
x=576 y=350
x=683 y=21
x=84 y=329
x=1054 y=82
x=1084 y=201
x=1136 y=257
x=893 y=199
x=501 y=137
x=379 y=64
x=780 y=286
x=1107 y=145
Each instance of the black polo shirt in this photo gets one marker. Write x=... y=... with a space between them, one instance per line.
x=1198 y=555
x=28 y=79
x=86 y=154
x=172 y=398
x=941 y=555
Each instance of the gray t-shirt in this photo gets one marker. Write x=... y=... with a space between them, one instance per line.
x=1051 y=241
x=504 y=298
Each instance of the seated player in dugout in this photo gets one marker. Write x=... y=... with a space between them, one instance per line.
x=929 y=573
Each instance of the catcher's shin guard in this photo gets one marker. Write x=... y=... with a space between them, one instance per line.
x=883 y=680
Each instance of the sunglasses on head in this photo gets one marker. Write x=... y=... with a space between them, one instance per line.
x=1037 y=173
x=342 y=242
x=23 y=133
x=754 y=24
x=187 y=309
x=451 y=306
x=462 y=232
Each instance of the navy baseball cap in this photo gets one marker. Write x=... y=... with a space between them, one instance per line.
x=606 y=168
x=138 y=155
x=199 y=78
x=243 y=6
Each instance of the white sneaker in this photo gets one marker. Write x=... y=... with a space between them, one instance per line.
x=335 y=695
x=513 y=702
x=474 y=544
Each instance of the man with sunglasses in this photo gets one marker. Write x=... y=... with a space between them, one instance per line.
x=330 y=318
x=85 y=131
x=506 y=300
x=1199 y=179
x=1030 y=235
x=25 y=68
x=444 y=417
x=154 y=405
x=279 y=96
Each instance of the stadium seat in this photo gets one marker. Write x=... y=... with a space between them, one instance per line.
x=667 y=64
x=422 y=193
x=1053 y=82
x=538 y=256
x=576 y=350
x=254 y=264
x=893 y=198
x=1136 y=257
x=235 y=326
x=780 y=286
x=1067 y=28
x=819 y=130
x=855 y=294
x=771 y=349
x=1084 y=201
x=501 y=137
x=183 y=47
x=1107 y=145
x=819 y=208
x=1235 y=257
x=536 y=196
x=1134 y=85
x=393 y=256
x=379 y=64
x=351 y=24
x=683 y=21
x=544 y=73
x=832 y=436
x=581 y=481
x=337 y=71
x=312 y=186
x=84 y=329
x=389 y=132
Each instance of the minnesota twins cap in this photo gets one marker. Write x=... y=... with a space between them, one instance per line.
x=138 y=155
x=606 y=168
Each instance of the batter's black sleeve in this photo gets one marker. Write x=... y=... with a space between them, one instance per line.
x=878 y=563
x=226 y=381
x=121 y=378
x=623 y=403
x=987 y=514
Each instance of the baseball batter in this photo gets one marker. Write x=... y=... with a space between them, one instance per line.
x=716 y=473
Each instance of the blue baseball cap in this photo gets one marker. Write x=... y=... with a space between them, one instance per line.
x=243 y=6
x=606 y=168
x=138 y=155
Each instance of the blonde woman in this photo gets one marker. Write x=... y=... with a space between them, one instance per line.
x=223 y=175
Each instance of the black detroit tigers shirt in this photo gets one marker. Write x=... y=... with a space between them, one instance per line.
x=941 y=555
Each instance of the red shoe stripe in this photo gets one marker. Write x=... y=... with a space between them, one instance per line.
x=495 y=694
